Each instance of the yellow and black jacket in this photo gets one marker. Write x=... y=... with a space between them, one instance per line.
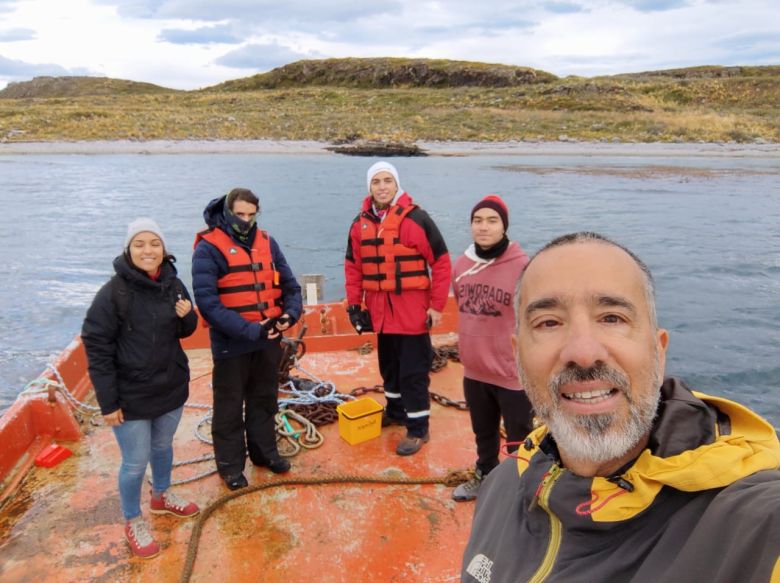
x=700 y=503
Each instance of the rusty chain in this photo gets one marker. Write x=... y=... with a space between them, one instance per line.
x=442 y=355
x=447 y=402
x=440 y=399
x=293 y=350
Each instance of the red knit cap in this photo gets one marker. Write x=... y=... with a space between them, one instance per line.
x=493 y=201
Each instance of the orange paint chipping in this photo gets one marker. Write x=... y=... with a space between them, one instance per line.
x=64 y=523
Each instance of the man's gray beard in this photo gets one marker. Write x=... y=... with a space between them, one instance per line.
x=599 y=438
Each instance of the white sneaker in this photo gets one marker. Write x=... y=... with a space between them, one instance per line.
x=468 y=490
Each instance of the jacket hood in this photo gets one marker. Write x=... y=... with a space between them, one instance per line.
x=698 y=442
x=513 y=251
x=213 y=214
x=124 y=269
x=403 y=200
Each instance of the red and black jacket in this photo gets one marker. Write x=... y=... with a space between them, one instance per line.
x=416 y=238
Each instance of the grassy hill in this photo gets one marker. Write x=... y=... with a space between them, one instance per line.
x=406 y=100
x=388 y=72
x=44 y=87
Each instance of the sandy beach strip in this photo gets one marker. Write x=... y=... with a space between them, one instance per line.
x=298 y=147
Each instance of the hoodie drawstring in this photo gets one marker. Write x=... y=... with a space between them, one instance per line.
x=474 y=269
x=625 y=487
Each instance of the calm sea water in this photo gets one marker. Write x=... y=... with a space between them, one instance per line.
x=707 y=227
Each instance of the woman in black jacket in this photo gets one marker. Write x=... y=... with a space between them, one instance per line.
x=140 y=372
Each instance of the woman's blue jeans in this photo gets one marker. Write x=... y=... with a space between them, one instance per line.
x=144 y=441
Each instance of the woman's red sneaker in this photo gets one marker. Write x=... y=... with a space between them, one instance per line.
x=140 y=539
x=170 y=503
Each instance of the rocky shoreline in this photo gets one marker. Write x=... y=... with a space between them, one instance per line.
x=293 y=147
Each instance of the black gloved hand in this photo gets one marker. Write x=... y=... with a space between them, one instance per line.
x=282 y=320
x=360 y=319
x=366 y=324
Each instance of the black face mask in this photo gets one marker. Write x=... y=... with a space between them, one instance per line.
x=492 y=252
x=240 y=227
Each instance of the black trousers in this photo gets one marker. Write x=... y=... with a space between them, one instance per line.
x=405 y=365
x=252 y=380
x=487 y=404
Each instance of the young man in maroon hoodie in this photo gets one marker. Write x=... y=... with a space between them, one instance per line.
x=484 y=281
x=398 y=264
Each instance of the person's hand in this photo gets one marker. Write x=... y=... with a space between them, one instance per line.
x=270 y=331
x=114 y=419
x=434 y=317
x=183 y=307
x=360 y=319
x=284 y=322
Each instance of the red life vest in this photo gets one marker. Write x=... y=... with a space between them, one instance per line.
x=251 y=284
x=388 y=265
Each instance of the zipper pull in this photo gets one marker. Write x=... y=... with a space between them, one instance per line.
x=621 y=482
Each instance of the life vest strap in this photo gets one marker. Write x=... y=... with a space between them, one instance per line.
x=258 y=307
x=398 y=275
x=412 y=273
x=399 y=258
x=376 y=242
x=259 y=286
x=247 y=267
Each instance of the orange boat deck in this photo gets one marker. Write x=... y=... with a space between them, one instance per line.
x=64 y=523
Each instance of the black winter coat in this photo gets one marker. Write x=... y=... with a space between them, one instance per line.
x=135 y=359
x=231 y=335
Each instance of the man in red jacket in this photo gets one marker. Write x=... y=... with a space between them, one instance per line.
x=398 y=264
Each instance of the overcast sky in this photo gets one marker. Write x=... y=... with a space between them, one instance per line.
x=187 y=44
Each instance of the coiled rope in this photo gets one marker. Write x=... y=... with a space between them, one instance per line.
x=452 y=479
x=302 y=395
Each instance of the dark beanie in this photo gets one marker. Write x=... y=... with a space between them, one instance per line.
x=493 y=201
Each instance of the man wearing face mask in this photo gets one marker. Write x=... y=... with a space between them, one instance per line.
x=247 y=293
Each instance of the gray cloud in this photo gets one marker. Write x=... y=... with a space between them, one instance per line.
x=204 y=35
x=135 y=8
x=563 y=7
x=758 y=48
x=656 y=5
x=8 y=35
x=257 y=11
x=765 y=41
x=8 y=5
x=20 y=70
x=261 y=57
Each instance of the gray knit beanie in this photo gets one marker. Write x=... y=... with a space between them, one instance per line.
x=143 y=225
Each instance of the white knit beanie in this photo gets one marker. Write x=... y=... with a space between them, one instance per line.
x=383 y=167
x=143 y=225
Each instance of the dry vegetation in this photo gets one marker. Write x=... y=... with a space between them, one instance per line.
x=404 y=100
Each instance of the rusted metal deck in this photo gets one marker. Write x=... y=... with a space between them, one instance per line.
x=64 y=523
